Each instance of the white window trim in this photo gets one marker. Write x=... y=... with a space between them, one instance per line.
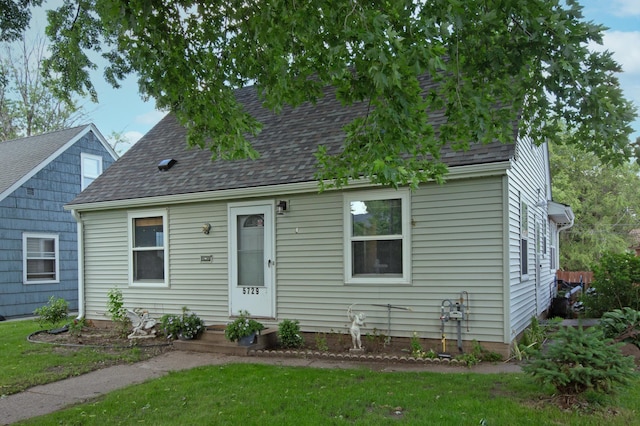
x=524 y=236
x=54 y=237
x=165 y=240
x=404 y=195
x=84 y=156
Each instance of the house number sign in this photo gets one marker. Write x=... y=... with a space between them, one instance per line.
x=250 y=290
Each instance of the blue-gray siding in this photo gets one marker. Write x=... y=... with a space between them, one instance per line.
x=43 y=212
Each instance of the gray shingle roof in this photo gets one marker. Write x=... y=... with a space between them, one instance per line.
x=18 y=157
x=286 y=145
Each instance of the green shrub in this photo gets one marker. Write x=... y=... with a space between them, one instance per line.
x=622 y=324
x=117 y=312
x=53 y=313
x=578 y=360
x=415 y=346
x=321 y=342
x=483 y=354
x=289 y=334
x=615 y=280
x=76 y=326
x=534 y=337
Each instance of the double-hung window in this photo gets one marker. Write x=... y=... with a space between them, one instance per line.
x=91 y=166
x=524 y=238
x=377 y=244
x=148 y=260
x=40 y=258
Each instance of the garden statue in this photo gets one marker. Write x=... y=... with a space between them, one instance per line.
x=142 y=324
x=357 y=321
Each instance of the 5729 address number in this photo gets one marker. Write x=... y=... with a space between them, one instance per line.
x=250 y=290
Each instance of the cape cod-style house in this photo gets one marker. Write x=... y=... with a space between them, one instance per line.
x=39 y=245
x=170 y=228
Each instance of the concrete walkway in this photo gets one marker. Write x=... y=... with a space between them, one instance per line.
x=52 y=397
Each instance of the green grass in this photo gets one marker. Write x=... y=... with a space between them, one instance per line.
x=251 y=394
x=24 y=364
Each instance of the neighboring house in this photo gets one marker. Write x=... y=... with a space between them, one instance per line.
x=39 y=238
x=225 y=236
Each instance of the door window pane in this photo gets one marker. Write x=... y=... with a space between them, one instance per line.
x=250 y=255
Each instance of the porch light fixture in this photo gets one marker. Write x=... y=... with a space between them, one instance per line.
x=206 y=228
x=281 y=207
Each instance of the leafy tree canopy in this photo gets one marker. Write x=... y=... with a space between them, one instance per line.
x=495 y=61
x=27 y=105
x=605 y=200
x=14 y=17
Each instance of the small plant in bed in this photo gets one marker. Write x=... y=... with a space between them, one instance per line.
x=185 y=326
x=243 y=326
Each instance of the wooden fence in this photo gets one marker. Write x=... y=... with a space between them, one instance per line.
x=575 y=277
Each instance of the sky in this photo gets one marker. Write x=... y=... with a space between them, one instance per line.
x=123 y=110
x=622 y=17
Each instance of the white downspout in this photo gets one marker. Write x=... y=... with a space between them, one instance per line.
x=562 y=228
x=76 y=215
x=567 y=226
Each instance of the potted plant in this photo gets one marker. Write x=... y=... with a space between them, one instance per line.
x=243 y=329
x=186 y=326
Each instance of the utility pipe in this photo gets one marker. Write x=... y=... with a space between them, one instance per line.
x=77 y=216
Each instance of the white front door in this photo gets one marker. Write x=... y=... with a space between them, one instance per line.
x=251 y=260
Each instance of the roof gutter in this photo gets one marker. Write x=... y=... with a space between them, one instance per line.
x=78 y=217
x=561 y=214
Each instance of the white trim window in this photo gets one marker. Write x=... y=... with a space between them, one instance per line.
x=377 y=243
x=40 y=258
x=148 y=259
x=552 y=251
x=524 y=239
x=91 y=168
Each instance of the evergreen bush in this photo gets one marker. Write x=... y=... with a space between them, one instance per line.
x=578 y=360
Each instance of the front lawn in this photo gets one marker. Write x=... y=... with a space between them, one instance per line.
x=251 y=394
x=24 y=364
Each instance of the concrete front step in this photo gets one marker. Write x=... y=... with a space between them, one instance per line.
x=213 y=341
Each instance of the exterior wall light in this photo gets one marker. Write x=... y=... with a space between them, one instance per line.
x=206 y=228
x=281 y=207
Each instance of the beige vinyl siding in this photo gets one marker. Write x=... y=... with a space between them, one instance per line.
x=202 y=287
x=529 y=296
x=456 y=245
x=105 y=259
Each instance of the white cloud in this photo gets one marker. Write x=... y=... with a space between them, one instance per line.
x=625 y=46
x=627 y=7
x=151 y=117
x=133 y=136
